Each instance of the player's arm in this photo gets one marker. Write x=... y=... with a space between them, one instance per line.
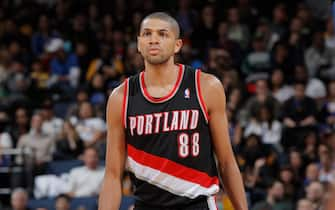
x=215 y=100
x=111 y=192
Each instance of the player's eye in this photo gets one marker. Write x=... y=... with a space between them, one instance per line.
x=146 y=33
x=163 y=34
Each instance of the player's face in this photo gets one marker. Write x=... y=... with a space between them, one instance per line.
x=157 y=41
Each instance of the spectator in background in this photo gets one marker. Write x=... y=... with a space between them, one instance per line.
x=274 y=198
x=280 y=90
x=52 y=125
x=258 y=61
x=42 y=35
x=40 y=144
x=265 y=126
x=309 y=147
x=314 y=193
x=327 y=167
x=62 y=202
x=91 y=129
x=327 y=113
x=311 y=174
x=20 y=124
x=5 y=139
x=68 y=144
x=314 y=87
x=86 y=180
x=299 y=116
x=204 y=34
x=81 y=96
x=232 y=47
x=319 y=59
x=330 y=34
x=305 y=204
x=97 y=94
x=291 y=183
x=262 y=97
x=65 y=71
x=186 y=17
x=296 y=163
x=237 y=31
x=19 y=199
x=279 y=20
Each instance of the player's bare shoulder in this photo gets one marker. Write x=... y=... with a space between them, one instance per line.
x=212 y=89
x=115 y=99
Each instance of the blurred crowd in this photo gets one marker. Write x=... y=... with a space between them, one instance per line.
x=60 y=60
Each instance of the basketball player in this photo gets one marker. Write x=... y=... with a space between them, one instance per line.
x=164 y=126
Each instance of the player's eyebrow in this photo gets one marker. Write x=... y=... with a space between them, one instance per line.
x=161 y=30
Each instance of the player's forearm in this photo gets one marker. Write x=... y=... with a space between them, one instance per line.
x=233 y=185
x=110 y=195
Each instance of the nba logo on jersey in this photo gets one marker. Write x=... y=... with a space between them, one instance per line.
x=187 y=93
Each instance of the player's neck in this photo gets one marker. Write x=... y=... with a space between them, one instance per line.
x=162 y=74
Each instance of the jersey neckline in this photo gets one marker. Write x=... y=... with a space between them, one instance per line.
x=166 y=97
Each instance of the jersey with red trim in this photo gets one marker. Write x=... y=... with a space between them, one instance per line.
x=170 y=153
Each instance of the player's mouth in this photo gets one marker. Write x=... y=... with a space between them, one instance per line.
x=154 y=51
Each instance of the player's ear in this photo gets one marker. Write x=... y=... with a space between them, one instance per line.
x=178 y=45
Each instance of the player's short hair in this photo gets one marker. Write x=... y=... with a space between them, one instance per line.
x=165 y=17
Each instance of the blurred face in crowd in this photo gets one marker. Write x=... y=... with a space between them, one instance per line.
x=277 y=77
x=299 y=91
x=158 y=41
x=318 y=40
x=43 y=23
x=91 y=158
x=300 y=73
x=233 y=16
x=36 y=122
x=314 y=191
x=82 y=96
x=279 y=14
x=286 y=175
x=277 y=191
x=223 y=29
x=261 y=87
x=296 y=25
x=295 y=159
x=264 y=114
x=208 y=15
x=62 y=203
x=312 y=172
x=235 y=96
x=305 y=204
x=19 y=200
x=21 y=117
x=85 y=110
x=98 y=81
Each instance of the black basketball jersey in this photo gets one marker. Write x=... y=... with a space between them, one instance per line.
x=170 y=153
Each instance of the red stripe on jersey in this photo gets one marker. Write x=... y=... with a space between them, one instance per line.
x=125 y=103
x=172 y=168
x=166 y=97
x=201 y=99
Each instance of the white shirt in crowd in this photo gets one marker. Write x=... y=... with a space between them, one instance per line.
x=5 y=140
x=85 y=182
x=268 y=135
x=88 y=127
x=53 y=127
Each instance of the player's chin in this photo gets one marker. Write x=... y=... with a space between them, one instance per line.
x=156 y=59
